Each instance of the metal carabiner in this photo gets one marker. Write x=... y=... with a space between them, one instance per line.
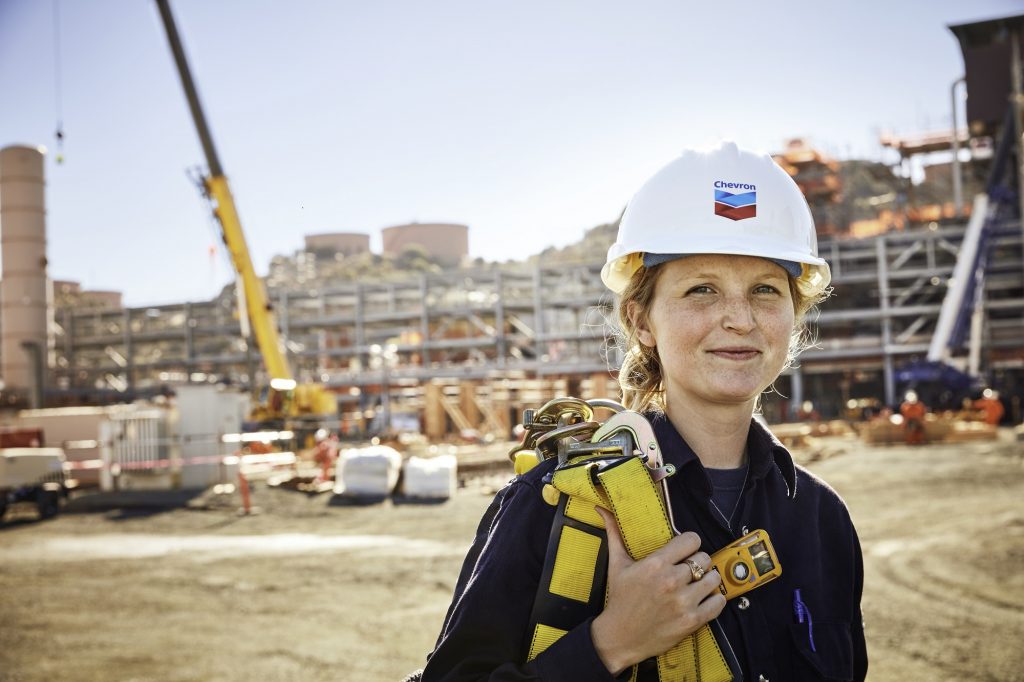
x=643 y=435
x=551 y=438
x=606 y=404
x=554 y=410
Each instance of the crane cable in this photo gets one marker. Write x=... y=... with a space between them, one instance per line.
x=58 y=87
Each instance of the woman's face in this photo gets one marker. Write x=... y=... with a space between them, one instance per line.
x=721 y=325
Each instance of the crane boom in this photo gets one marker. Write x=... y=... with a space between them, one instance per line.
x=258 y=309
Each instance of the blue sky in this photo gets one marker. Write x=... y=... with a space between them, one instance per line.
x=529 y=121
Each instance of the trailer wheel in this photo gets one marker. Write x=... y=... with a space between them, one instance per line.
x=48 y=503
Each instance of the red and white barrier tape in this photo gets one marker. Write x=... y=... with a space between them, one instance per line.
x=267 y=459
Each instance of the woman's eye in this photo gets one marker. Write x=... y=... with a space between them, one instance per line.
x=701 y=289
x=765 y=289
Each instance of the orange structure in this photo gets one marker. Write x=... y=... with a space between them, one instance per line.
x=818 y=178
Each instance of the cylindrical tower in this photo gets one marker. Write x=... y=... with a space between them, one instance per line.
x=347 y=243
x=446 y=242
x=23 y=252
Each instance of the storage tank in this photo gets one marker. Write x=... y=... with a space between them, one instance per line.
x=103 y=300
x=347 y=243
x=65 y=287
x=446 y=242
x=23 y=290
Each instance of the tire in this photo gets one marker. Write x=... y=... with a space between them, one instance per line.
x=48 y=503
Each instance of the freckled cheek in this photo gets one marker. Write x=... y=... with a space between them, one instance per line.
x=776 y=323
x=678 y=327
x=777 y=329
x=778 y=336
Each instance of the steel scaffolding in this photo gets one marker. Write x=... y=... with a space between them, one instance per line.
x=544 y=321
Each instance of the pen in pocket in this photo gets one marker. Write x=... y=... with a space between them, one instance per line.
x=801 y=613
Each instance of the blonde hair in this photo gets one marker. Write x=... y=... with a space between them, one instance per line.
x=640 y=377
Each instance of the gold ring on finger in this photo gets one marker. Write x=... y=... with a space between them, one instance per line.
x=695 y=570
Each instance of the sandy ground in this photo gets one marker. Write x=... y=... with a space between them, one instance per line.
x=316 y=590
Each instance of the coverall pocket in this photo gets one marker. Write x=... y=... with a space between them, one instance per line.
x=832 y=656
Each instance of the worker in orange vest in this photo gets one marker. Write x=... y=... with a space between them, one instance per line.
x=913 y=411
x=991 y=406
x=325 y=454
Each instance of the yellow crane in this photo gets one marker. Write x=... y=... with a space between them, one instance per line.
x=286 y=400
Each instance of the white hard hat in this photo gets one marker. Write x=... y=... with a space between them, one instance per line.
x=321 y=435
x=726 y=201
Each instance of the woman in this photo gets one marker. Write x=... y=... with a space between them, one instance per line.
x=715 y=266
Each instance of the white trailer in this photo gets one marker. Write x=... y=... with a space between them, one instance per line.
x=33 y=475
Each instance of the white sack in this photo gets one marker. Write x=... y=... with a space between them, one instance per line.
x=431 y=478
x=370 y=471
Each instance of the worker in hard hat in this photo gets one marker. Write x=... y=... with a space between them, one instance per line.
x=715 y=267
x=991 y=407
x=325 y=453
x=807 y=413
x=913 y=411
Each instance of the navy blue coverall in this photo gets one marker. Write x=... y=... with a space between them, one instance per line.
x=486 y=631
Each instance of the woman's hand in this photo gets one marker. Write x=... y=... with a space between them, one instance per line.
x=652 y=603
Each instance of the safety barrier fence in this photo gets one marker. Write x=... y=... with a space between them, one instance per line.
x=139 y=450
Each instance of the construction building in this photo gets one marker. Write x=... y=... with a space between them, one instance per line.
x=67 y=294
x=501 y=327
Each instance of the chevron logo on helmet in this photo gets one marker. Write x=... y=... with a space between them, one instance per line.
x=732 y=205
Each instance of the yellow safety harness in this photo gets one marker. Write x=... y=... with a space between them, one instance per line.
x=617 y=465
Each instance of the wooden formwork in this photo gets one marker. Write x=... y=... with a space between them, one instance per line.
x=936 y=428
x=494 y=406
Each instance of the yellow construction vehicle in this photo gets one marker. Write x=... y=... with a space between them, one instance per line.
x=285 y=401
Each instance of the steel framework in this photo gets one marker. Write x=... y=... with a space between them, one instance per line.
x=544 y=321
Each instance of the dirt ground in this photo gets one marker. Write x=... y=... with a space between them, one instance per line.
x=316 y=590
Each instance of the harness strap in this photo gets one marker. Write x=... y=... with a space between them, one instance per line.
x=576 y=560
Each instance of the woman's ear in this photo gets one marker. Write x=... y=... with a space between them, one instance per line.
x=641 y=323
